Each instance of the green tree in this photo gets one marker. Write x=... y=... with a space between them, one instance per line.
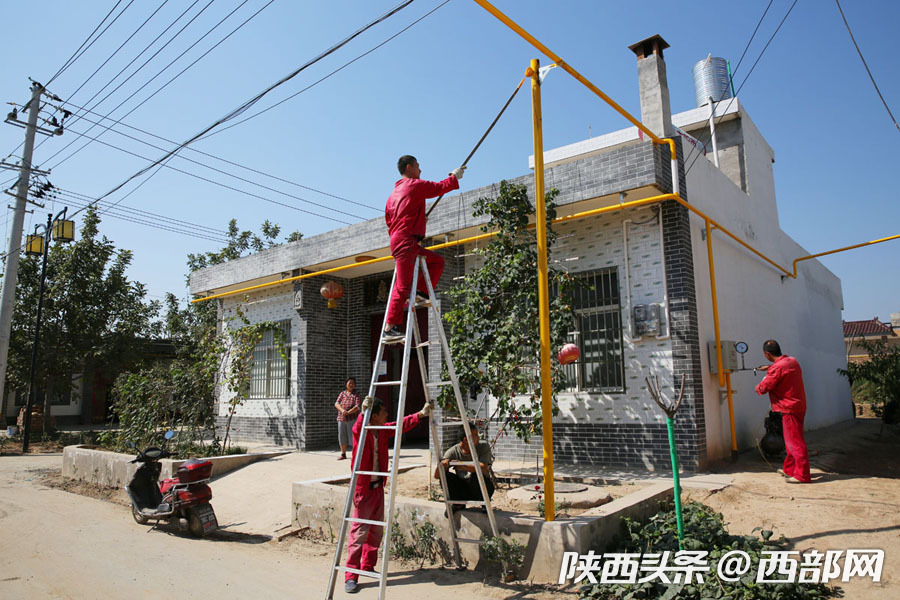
x=494 y=327
x=181 y=394
x=94 y=319
x=878 y=378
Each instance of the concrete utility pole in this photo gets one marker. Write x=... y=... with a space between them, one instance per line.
x=8 y=296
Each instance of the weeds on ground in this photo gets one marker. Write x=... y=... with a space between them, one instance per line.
x=509 y=554
x=704 y=529
x=423 y=545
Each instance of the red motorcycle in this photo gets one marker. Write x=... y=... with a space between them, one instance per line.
x=182 y=500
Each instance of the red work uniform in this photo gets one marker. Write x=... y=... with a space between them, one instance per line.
x=405 y=217
x=784 y=384
x=368 y=502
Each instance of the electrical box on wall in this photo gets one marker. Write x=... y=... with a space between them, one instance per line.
x=729 y=356
x=646 y=319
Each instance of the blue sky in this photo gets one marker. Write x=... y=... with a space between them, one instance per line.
x=433 y=90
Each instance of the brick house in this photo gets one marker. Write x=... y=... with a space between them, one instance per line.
x=653 y=312
x=856 y=332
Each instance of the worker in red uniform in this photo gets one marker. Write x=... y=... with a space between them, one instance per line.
x=368 y=498
x=405 y=217
x=784 y=384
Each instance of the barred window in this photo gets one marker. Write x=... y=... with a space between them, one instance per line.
x=270 y=375
x=598 y=333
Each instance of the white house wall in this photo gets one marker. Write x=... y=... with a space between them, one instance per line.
x=754 y=304
x=275 y=304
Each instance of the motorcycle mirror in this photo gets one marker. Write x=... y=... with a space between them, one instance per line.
x=169 y=434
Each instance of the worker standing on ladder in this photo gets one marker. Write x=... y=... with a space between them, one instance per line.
x=368 y=498
x=405 y=217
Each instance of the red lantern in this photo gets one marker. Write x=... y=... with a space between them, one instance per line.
x=568 y=354
x=331 y=291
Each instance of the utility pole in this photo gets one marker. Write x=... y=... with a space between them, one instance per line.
x=8 y=295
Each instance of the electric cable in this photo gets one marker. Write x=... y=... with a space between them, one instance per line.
x=224 y=160
x=81 y=205
x=75 y=55
x=750 y=72
x=317 y=82
x=255 y=99
x=117 y=50
x=145 y=63
x=238 y=177
x=139 y=212
x=233 y=175
x=242 y=108
x=866 y=65
x=163 y=163
x=123 y=69
x=158 y=90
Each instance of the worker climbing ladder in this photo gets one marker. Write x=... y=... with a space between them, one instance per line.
x=411 y=340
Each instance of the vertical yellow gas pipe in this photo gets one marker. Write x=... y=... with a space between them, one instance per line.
x=734 y=449
x=724 y=378
x=543 y=292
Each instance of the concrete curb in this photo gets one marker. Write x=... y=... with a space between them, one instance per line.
x=318 y=504
x=114 y=469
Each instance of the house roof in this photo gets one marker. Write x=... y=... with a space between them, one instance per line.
x=866 y=328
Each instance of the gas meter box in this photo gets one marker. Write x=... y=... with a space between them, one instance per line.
x=646 y=319
x=729 y=356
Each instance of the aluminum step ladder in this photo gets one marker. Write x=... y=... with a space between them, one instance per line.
x=411 y=340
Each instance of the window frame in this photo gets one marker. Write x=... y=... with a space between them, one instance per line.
x=605 y=306
x=271 y=379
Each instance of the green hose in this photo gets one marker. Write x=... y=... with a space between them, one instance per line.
x=677 y=483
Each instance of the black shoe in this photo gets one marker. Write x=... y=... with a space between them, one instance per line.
x=394 y=334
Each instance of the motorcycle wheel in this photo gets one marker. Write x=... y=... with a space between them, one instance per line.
x=195 y=525
x=138 y=517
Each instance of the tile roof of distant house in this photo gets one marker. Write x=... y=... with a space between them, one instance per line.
x=866 y=328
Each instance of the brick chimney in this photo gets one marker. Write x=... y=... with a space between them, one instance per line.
x=656 y=112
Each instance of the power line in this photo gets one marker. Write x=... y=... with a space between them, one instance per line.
x=238 y=177
x=75 y=56
x=142 y=213
x=125 y=68
x=146 y=62
x=81 y=205
x=866 y=65
x=341 y=68
x=162 y=163
x=161 y=88
x=122 y=45
x=750 y=72
x=238 y=111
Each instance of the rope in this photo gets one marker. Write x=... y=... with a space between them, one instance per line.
x=472 y=153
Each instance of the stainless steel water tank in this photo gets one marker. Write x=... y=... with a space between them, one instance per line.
x=711 y=79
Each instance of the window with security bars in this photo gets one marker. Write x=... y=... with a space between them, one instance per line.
x=270 y=374
x=598 y=333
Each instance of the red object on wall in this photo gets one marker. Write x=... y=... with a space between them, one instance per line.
x=331 y=291
x=568 y=354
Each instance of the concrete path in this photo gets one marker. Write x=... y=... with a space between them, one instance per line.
x=256 y=499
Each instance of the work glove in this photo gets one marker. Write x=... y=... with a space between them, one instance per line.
x=458 y=172
x=367 y=403
x=426 y=411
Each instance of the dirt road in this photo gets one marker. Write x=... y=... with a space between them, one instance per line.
x=54 y=544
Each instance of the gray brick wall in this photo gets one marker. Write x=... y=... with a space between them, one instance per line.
x=333 y=344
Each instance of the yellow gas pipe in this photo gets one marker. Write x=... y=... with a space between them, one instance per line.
x=543 y=291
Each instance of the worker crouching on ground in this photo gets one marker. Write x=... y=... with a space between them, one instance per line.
x=784 y=384
x=405 y=217
x=368 y=498
x=463 y=483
